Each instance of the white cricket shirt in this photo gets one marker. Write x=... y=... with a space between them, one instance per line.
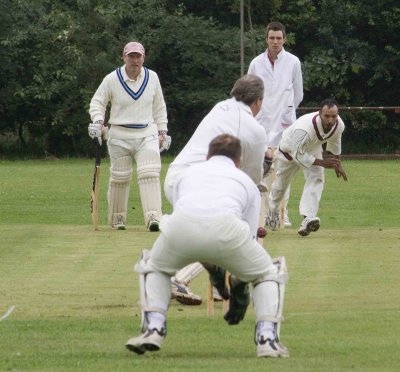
x=137 y=102
x=283 y=92
x=304 y=139
x=231 y=117
x=217 y=187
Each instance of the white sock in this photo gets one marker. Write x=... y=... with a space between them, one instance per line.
x=155 y=320
x=266 y=329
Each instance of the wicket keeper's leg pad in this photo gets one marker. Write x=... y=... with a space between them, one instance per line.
x=239 y=300
x=217 y=279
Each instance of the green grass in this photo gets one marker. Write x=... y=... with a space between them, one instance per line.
x=76 y=295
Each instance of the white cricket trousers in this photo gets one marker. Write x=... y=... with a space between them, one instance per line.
x=314 y=184
x=223 y=240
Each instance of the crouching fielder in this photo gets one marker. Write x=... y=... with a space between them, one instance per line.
x=216 y=208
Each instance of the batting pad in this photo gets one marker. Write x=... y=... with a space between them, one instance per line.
x=148 y=176
x=118 y=189
x=188 y=273
x=269 y=294
x=159 y=282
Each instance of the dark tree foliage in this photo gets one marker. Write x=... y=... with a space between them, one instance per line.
x=54 y=54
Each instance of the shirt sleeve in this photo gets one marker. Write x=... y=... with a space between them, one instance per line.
x=252 y=161
x=99 y=102
x=297 y=85
x=159 y=108
x=300 y=139
x=251 y=214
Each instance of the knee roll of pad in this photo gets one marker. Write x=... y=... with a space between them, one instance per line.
x=121 y=170
x=280 y=277
x=148 y=165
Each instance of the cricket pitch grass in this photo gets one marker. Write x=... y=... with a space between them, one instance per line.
x=69 y=295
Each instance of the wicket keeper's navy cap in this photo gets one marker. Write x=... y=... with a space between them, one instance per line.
x=133 y=47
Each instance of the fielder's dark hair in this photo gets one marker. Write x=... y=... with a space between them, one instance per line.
x=226 y=145
x=330 y=102
x=248 y=89
x=275 y=26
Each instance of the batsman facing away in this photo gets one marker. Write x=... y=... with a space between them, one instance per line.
x=217 y=209
x=138 y=129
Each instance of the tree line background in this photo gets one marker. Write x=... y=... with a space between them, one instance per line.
x=54 y=54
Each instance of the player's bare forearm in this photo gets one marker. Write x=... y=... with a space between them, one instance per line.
x=327 y=162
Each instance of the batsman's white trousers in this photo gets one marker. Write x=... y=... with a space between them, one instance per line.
x=224 y=240
x=146 y=153
x=118 y=148
x=314 y=184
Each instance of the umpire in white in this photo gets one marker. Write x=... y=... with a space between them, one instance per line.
x=216 y=209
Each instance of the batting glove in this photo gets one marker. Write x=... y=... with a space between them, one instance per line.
x=95 y=131
x=165 y=141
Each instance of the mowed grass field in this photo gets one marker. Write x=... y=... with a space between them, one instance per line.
x=69 y=295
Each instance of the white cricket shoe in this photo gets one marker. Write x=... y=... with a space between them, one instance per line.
x=267 y=348
x=286 y=220
x=273 y=220
x=120 y=225
x=154 y=224
x=182 y=294
x=283 y=350
x=151 y=340
x=309 y=224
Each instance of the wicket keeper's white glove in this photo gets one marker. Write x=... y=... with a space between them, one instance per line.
x=96 y=130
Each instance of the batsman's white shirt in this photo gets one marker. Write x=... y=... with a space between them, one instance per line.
x=146 y=108
x=231 y=117
x=283 y=92
x=217 y=187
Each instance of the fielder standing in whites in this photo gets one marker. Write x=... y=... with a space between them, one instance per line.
x=138 y=127
x=283 y=93
x=234 y=116
x=301 y=147
x=216 y=209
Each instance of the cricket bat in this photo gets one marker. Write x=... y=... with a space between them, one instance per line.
x=95 y=188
